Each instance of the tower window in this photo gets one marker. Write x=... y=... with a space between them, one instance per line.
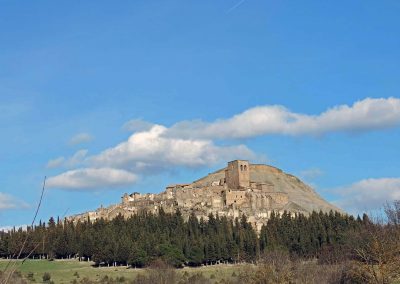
x=241 y=167
x=245 y=167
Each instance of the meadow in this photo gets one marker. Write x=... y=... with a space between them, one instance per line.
x=65 y=271
x=320 y=248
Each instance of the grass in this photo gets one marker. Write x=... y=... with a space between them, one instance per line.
x=219 y=271
x=64 y=271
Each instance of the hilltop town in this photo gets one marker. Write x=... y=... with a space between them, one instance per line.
x=255 y=190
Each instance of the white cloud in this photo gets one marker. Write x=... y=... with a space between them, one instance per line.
x=146 y=151
x=9 y=228
x=151 y=150
x=364 y=115
x=92 y=178
x=9 y=202
x=369 y=194
x=80 y=138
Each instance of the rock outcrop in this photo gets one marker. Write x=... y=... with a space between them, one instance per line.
x=241 y=188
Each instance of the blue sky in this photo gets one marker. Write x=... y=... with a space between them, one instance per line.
x=105 y=98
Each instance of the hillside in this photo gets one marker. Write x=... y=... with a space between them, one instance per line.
x=241 y=188
x=301 y=196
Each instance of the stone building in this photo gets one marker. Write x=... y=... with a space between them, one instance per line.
x=237 y=174
x=241 y=188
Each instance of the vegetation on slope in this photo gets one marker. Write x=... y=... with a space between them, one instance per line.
x=141 y=239
x=370 y=251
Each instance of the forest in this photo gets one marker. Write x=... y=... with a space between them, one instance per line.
x=139 y=241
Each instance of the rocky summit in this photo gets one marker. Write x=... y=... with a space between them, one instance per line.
x=255 y=190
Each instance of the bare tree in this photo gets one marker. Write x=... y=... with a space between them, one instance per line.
x=12 y=266
x=392 y=211
x=379 y=251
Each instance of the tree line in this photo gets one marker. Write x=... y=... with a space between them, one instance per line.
x=144 y=238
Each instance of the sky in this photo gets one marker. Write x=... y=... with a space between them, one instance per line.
x=105 y=97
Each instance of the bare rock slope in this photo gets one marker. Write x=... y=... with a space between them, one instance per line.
x=301 y=197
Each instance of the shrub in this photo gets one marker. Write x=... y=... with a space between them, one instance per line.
x=311 y=272
x=15 y=278
x=276 y=266
x=158 y=272
x=46 y=277
x=197 y=278
x=355 y=274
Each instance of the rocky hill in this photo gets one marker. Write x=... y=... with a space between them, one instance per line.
x=241 y=188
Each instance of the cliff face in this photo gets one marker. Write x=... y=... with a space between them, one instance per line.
x=240 y=188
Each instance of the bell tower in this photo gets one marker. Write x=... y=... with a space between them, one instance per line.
x=237 y=174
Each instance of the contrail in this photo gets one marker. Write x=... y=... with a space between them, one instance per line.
x=235 y=6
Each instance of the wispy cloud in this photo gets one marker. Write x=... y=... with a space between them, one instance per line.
x=75 y=160
x=368 y=194
x=10 y=202
x=365 y=115
x=55 y=163
x=237 y=4
x=139 y=124
x=80 y=138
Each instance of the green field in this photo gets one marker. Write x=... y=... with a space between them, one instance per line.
x=64 y=271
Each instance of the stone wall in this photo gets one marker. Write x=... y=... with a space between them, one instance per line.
x=237 y=197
